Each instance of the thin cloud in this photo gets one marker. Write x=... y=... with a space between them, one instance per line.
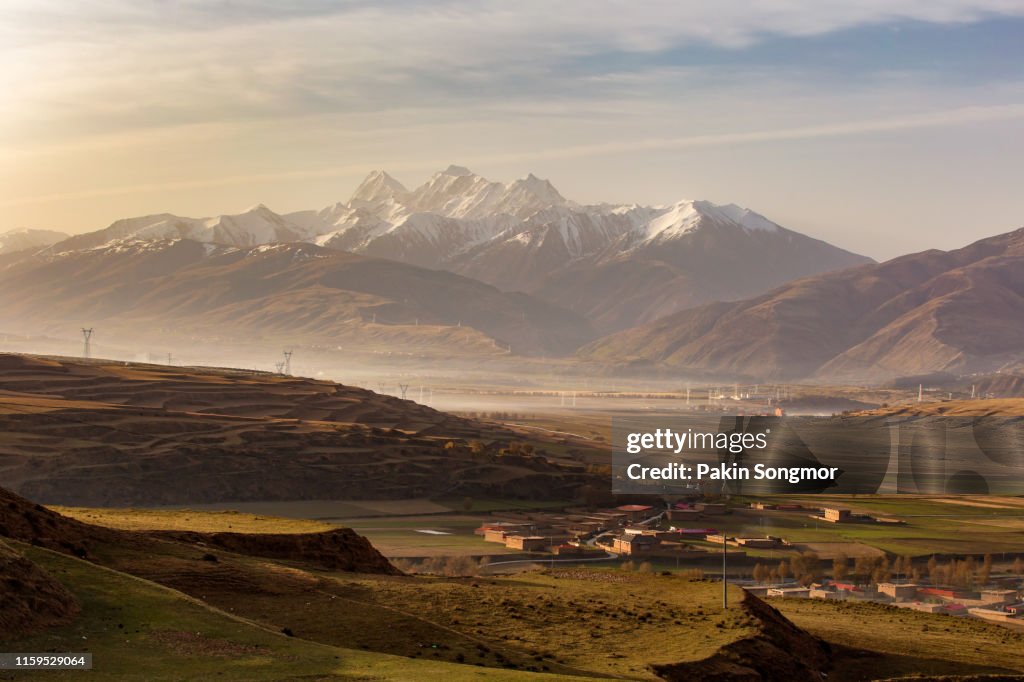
x=935 y=119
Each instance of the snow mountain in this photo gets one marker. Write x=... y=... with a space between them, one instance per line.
x=617 y=264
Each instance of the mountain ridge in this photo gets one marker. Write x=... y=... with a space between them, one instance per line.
x=641 y=262
x=954 y=311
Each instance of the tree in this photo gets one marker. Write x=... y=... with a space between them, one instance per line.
x=985 y=572
x=881 y=573
x=467 y=504
x=783 y=570
x=760 y=573
x=1018 y=566
x=839 y=566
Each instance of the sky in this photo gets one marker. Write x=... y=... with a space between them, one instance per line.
x=881 y=126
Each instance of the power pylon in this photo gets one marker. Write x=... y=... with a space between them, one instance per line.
x=87 y=336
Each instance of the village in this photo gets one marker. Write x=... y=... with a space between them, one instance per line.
x=695 y=533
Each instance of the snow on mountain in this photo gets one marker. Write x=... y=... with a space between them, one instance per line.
x=258 y=225
x=525 y=236
x=27 y=238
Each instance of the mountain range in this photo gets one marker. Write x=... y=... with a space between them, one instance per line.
x=616 y=265
x=292 y=290
x=959 y=311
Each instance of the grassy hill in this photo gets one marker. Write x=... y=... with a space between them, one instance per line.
x=102 y=433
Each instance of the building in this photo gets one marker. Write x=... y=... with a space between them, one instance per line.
x=495 y=535
x=898 y=591
x=824 y=593
x=634 y=544
x=836 y=515
x=526 y=543
x=635 y=512
x=998 y=596
x=768 y=542
x=710 y=508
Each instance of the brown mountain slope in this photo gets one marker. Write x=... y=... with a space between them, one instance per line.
x=958 y=311
x=300 y=292
x=110 y=434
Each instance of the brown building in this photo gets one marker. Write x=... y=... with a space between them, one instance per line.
x=898 y=591
x=526 y=543
x=495 y=535
x=634 y=544
x=836 y=515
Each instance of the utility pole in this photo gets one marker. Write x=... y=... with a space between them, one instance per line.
x=87 y=335
x=170 y=360
x=725 y=580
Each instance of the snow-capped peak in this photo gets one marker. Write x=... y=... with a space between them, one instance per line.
x=378 y=186
x=688 y=215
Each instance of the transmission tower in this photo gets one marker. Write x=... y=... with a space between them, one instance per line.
x=403 y=388
x=87 y=335
x=288 y=363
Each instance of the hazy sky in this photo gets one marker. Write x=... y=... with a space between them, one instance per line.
x=883 y=126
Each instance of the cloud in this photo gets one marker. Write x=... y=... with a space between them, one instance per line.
x=93 y=66
x=927 y=120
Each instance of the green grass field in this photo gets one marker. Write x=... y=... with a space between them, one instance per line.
x=137 y=630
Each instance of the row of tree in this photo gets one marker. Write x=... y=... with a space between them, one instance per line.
x=806 y=568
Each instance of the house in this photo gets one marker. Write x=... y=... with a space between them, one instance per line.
x=710 y=508
x=1015 y=609
x=634 y=544
x=824 y=593
x=790 y=592
x=898 y=591
x=998 y=596
x=495 y=535
x=836 y=515
x=526 y=543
